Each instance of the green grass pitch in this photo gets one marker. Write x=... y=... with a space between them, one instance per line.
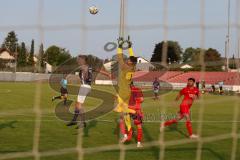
x=17 y=120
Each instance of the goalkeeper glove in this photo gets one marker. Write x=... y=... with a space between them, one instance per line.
x=120 y=42
x=129 y=42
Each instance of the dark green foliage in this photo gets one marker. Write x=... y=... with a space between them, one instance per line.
x=22 y=56
x=172 y=48
x=197 y=56
x=40 y=55
x=10 y=42
x=31 y=54
x=55 y=55
x=212 y=55
x=94 y=61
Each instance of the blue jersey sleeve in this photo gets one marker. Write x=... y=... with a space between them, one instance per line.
x=63 y=83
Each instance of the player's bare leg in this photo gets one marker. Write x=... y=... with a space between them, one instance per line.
x=78 y=111
x=56 y=97
x=82 y=122
x=75 y=116
x=65 y=99
x=156 y=96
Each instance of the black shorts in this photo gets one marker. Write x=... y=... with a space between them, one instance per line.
x=63 y=91
x=137 y=118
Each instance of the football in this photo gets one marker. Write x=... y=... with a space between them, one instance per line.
x=93 y=10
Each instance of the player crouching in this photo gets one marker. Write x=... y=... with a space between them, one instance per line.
x=135 y=101
x=190 y=93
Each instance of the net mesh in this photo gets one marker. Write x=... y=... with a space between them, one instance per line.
x=81 y=151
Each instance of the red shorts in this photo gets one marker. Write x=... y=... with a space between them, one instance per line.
x=185 y=109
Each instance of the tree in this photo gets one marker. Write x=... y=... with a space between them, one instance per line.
x=174 y=52
x=212 y=55
x=188 y=54
x=22 y=55
x=193 y=55
x=198 y=55
x=10 y=42
x=31 y=54
x=41 y=55
x=55 y=55
x=94 y=61
x=212 y=59
x=232 y=63
x=63 y=56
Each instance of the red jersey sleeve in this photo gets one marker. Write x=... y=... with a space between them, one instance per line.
x=182 y=91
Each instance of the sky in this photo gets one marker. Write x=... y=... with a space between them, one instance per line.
x=59 y=22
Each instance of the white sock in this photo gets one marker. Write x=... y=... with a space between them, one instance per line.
x=138 y=142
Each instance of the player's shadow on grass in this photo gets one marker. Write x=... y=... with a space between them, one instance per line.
x=7 y=125
x=174 y=127
x=90 y=125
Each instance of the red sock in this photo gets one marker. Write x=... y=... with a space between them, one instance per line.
x=130 y=133
x=122 y=126
x=167 y=123
x=139 y=134
x=189 y=127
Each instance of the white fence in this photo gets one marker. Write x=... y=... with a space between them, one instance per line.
x=175 y=86
x=28 y=77
x=23 y=76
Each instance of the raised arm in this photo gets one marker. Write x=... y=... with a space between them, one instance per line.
x=105 y=73
x=130 y=50
x=120 y=56
x=102 y=71
x=120 y=53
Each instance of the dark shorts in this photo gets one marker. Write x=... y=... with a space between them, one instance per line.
x=137 y=118
x=63 y=91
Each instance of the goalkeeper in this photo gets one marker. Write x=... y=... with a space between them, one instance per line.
x=126 y=70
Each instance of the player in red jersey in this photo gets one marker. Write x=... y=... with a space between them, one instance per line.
x=190 y=93
x=135 y=101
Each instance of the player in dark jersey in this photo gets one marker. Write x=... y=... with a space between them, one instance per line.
x=190 y=93
x=86 y=78
x=63 y=91
x=156 y=87
x=85 y=75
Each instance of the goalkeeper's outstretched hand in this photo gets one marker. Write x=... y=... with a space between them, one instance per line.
x=120 y=42
x=129 y=42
